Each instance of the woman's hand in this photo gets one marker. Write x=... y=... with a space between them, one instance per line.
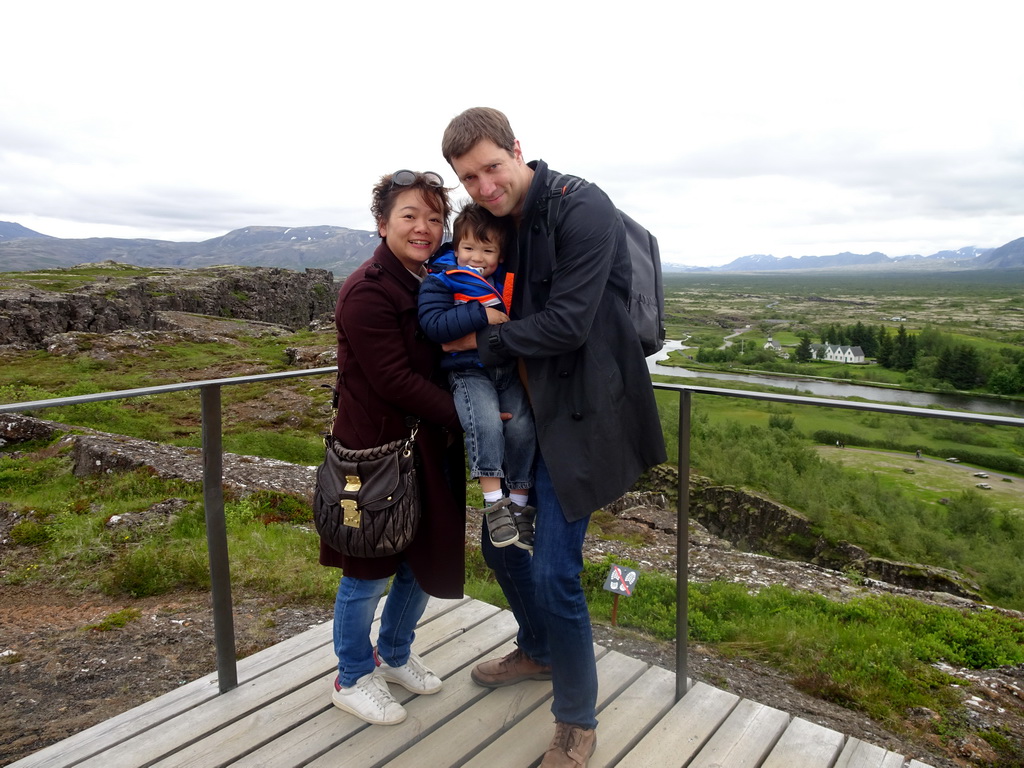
x=495 y=316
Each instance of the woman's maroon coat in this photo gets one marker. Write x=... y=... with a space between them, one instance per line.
x=387 y=371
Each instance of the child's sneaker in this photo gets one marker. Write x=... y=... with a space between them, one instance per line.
x=523 y=517
x=501 y=526
x=413 y=675
x=369 y=700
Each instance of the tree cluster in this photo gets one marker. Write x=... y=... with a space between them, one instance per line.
x=930 y=356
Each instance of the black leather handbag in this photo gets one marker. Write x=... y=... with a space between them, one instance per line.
x=367 y=502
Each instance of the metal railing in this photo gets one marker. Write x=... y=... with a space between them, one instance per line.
x=213 y=491
x=213 y=499
x=686 y=393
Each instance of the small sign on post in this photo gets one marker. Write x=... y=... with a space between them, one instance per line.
x=621 y=581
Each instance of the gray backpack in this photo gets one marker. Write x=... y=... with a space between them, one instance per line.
x=646 y=304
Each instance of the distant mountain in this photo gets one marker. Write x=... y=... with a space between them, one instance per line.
x=969 y=253
x=341 y=250
x=1009 y=256
x=1005 y=256
x=11 y=231
x=337 y=249
x=764 y=263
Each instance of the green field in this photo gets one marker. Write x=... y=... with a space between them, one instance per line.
x=976 y=316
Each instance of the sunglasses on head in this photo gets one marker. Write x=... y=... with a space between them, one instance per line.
x=404 y=178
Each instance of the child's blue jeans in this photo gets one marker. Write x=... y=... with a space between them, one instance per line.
x=496 y=448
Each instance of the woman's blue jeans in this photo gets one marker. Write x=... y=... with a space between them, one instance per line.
x=546 y=597
x=353 y=614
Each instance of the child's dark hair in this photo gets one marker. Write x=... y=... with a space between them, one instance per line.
x=477 y=222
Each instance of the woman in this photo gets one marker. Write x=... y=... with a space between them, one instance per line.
x=388 y=374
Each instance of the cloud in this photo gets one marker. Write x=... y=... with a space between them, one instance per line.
x=732 y=128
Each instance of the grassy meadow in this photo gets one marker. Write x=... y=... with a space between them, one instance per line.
x=980 y=313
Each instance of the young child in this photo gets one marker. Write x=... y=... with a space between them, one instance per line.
x=462 y=294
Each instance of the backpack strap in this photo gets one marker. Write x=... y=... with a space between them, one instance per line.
x=562 y=185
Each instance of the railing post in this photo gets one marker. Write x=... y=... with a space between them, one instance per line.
x=217 y=538
x=683 y=544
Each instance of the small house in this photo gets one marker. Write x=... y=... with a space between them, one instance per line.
x=837 y=353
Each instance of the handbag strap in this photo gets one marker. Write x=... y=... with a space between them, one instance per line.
x=404 y=444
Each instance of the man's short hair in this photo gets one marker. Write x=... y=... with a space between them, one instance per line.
x=483 y=226
x=473 y=125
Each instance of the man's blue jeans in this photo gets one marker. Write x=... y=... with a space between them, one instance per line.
x=546 y=597
x=353 y=614
x=496 y=448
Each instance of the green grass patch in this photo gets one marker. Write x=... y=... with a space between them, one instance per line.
x=64 y=280
x=884 y=513
x=29 y=533
x=875 y=654
x=115 y=620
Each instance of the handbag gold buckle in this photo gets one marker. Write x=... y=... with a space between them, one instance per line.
x=352 y=516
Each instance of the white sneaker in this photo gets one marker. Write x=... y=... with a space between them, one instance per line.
x=370 y=700
x=413 y=675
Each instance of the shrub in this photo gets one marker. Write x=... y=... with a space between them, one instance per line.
x=781 y=421
x=152 y=569
x=29 y=533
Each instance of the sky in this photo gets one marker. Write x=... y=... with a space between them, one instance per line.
x=787 y=128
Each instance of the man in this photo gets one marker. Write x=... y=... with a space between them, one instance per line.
x=597 y=422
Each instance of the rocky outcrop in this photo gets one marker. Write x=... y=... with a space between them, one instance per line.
x=98 y=453
x=758 y=524
x=128 y=299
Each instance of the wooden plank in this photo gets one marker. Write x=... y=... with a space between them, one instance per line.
x=624 y=721
x=167 y=723
x=306 y=701
x=684 y=729
x=525 y=742
x=186 y=728
x=496 y=712
x=805 y=745
x=745 y=738
x=161 y=709
x=281 y=714
x=861 y=754
x=375 y=745
x=157 y=712
x=326 y=732
x=893 y=760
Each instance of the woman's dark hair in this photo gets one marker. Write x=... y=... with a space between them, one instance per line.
x=385 y=193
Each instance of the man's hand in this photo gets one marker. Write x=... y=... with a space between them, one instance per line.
x=467 y=342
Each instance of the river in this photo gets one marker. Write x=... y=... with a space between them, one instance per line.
x=838 y=389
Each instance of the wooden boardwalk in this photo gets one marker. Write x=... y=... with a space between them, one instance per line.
x=280 y=715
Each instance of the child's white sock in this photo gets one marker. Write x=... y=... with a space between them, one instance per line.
x=490 y=497
x=519 y=497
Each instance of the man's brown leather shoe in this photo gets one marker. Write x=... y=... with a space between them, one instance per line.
x=509 y=670
x=571 y=747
